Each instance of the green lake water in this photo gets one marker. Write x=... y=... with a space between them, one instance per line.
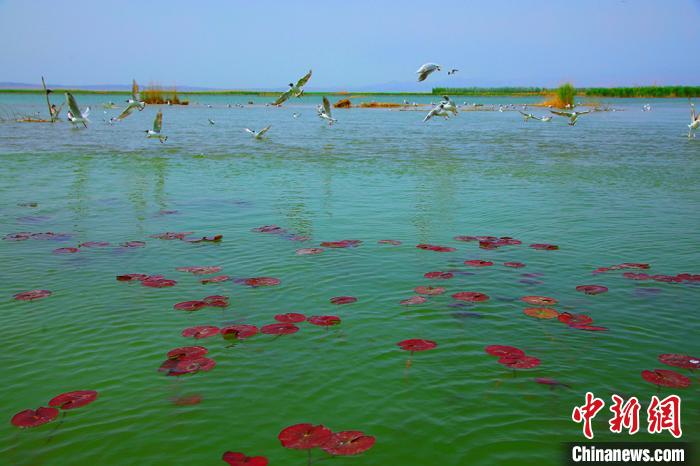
x=618 y=187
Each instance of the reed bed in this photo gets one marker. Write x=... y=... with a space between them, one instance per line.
x=155 y=94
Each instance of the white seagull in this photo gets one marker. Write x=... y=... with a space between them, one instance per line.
x=295 y=115
x=572 y=116
x=294 y=90
x=258 y=134
x=694 y=121
x=157 y=125
x=324 y=111
x=74 y=115
x=438 y=110
x=425 y=70
x=448 y=105
x=452 y=71
x=133 y=103
x=211 y=122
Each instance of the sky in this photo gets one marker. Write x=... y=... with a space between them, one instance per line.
x=351 y=44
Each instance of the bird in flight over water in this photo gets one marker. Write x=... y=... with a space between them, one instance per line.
x=132 y=104
x=295 y=90
x=425 y=70
x=324 y=111
x=157 y=126
x=74 y=115
x=694 y=121
x=258 y=134
x=572 y=116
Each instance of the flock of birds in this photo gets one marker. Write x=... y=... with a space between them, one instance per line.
x=444 y=108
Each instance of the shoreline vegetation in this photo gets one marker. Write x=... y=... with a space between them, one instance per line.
x=621 y=92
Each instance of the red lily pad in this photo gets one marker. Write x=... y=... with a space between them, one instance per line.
x=588 y=328
x=201 y=331
x=413 y=300
x=346 y=243
x=504 y=350
x=192 y=366
x=239 y=459
x=439 y=275
x=200 y=270
x=541 y=312
x=21 y=236
x=522 y=362
x=304 y=436
x=187 y=400
x=436 y=248
x=94 y=244
x=133 y=244
x=157 y=282
x=416 y=344
x=279 y=329
x=324 y=321
x=32 y=418
x=680 y=360
x=262 y=281
x=290 y=318
x=187 y=352
x=170 y=235
x=239 y=331
x=216 y=301
x=217 y=279
x=539 y=300
x=309 y=251
x=190 y=306
x=66 y=250
x=131 y=277
x=592 y=289
x=478 y=263
x=392 y=242
x=205 y=239
x=274 y=229
x=544 y=246
x=666 y=378
x=429 y=290
x=72 y=400
x=574 y=319
x=32 y=295
x=343 y=300
x=471 y=296
x=515 y=265
x=349 y=442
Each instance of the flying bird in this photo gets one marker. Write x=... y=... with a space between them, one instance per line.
x=572 y=116
x=452 y=71
x=74 y=115
x=528 y=116
x=258 y=134
x=425 y=70
x=295 y=115
x=133 y=103
x=294 y=90
x=157 y=126
x=438 y=110
x=211 y=122
x=324 y=111
x=448 y=105
x=694 y=121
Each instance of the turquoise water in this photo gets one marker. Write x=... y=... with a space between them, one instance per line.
x=618 y=187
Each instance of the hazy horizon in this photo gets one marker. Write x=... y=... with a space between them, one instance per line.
x=371 y=46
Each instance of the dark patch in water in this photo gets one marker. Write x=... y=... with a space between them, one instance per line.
x=532 y=275
x=529 y=281
x=646 y=292
x=467 y=315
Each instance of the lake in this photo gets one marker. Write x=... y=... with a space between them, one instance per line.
x=619 y=187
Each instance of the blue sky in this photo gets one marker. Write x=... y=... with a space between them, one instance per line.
x=353 y=45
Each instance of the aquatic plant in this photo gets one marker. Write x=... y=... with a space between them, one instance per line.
x=343 y=300
x=290 y=318
x=155 y=94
